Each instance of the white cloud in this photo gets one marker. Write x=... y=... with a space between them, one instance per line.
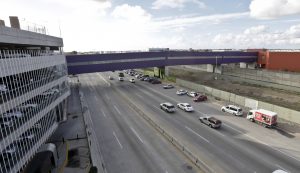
x=259 y=37
x=256 y=29
x=195 y=20
x=270 y=9
x=158 y=4
x=131 y=13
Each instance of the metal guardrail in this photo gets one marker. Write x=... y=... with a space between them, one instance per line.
x=193 y=158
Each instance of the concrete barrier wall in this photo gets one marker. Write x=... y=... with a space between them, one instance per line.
x=284 y=113
x=283 y=78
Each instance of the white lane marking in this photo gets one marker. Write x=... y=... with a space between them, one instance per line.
x=281 y=167
x=96 y=98
x=233 y=128
x=103 y=79
x=118 y=140
x=157 y=107
x=220 y=133
x=103 y=113
x=197 y=134
x=117 y=109
x=137 y=135
x=140 y=96
x=106 y=97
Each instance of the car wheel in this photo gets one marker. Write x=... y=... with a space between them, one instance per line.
x=210 y=126
x=223 y=110
x=234 y=114
x=201 y=121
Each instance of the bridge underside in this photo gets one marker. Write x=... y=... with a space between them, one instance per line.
x=78 y=64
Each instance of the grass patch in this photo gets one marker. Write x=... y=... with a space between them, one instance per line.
x=150 y=73
x=170 y=78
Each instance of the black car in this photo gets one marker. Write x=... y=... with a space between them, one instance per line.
x=152 y=79
x=156 y=82
x=146 y=78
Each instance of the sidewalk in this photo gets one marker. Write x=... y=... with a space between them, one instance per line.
x=71 y=139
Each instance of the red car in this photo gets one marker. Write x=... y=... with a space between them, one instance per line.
x=200 y=98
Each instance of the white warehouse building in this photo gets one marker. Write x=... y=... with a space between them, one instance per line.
x=33 y=92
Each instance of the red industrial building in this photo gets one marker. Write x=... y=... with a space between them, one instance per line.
x=282 y=60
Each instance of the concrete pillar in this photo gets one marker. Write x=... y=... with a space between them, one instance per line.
x=214 y=69
x=243 y=65
x=218 y=69
x=2 y=23
x=210 y=68
x=14 y=22
x=252 y=65
x=166 y=71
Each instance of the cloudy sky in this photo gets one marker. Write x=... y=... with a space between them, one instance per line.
x=179 y=24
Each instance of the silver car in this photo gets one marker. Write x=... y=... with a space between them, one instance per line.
x=234 y=110
x=168 y=107
x=181 y=92
x=211 y=122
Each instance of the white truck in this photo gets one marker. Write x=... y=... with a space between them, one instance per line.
x=263 y=117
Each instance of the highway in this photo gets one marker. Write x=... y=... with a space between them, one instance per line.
x=225 y=150
x=128 y=144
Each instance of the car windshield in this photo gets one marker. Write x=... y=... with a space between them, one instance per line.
x=239 y=110
x=170 y=107
x=188 y=105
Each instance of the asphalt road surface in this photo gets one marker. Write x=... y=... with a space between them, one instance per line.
x=130 y=145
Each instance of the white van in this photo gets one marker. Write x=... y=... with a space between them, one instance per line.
x=234 y=110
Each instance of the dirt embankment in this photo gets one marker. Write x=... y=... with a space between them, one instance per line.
x=288 y=99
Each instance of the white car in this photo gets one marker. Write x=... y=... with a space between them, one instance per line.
x=181 y=92
x=234 y=110
x=132 y=80
x=3 y=88
x=28 y=135
x=186 y=107
x=13 y=114
x=192 y=94
x=168 y=107
x=9 y=152
x=6 y=122
x=27 y=106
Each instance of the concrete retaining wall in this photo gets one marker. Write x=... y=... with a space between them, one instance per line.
x=282 y=78
x=284 y=113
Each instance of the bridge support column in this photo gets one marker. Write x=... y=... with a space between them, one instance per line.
x=166 y=71
x=218 y=69
x=214 y=68
x=252 y=65
x=243 y=65
x=210 y=68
